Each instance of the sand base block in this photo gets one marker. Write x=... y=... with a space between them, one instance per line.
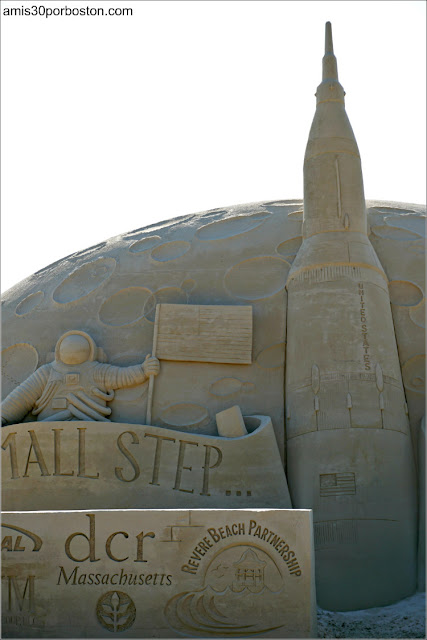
x=158 y=574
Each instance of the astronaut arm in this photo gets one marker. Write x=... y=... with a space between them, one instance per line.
x=111 y=377
x=23 y=398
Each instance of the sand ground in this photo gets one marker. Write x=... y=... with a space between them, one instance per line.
x=405 y=619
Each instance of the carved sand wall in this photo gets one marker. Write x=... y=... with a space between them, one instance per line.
x=234 y=256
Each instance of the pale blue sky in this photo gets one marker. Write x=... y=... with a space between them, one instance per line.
x=110 y=124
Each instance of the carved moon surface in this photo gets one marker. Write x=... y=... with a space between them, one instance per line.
x=84 y=280
x=248 y=269
x=413 y=373
x=394 y=233
x=90 y=250
x=272 y=356
x=188 y=285
x=29 y=303
x=17 y=363
x=391 y=210
x=145 y=244
x=226 y=387
x=170 y=250
x=404 y=294
x=289 y=248
x=418 y=314
x=413 y=223
x=167 y=295
x=230 y=227
x=125 y=306
x=417 y=247
x=248 y=387
x=283 y=203
x=257 y=278
x=185 y=415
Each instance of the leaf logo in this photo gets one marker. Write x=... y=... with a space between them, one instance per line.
x=115 y=611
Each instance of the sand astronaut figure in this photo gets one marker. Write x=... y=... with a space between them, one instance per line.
x=75 y=386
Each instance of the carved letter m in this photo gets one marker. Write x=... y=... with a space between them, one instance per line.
x=20 y=598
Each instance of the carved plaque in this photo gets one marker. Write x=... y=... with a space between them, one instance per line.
x=102 y=465
x=204 y=333
x=154 y=573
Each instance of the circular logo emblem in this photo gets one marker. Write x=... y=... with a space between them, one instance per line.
x=116 y=611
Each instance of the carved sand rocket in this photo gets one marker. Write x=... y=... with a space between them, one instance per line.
x=349 y=450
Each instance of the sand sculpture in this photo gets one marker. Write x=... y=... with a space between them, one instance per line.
x=347 y=418
x=290 y=337
x=76 y=386
x=166 y=574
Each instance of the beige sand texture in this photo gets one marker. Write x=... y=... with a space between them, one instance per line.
x=159 y=574
x=239 y=255
x=337 y=292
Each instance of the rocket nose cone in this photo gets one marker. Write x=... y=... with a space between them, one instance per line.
x=329 y=46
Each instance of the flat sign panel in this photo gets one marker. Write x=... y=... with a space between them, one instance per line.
x=204 y=333
x=158 y=574
x=113 y=465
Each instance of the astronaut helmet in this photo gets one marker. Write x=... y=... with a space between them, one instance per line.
x=75 y=347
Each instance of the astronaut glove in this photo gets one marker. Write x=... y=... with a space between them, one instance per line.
x=151 y=366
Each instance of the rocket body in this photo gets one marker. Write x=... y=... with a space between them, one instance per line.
x=349 y=450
